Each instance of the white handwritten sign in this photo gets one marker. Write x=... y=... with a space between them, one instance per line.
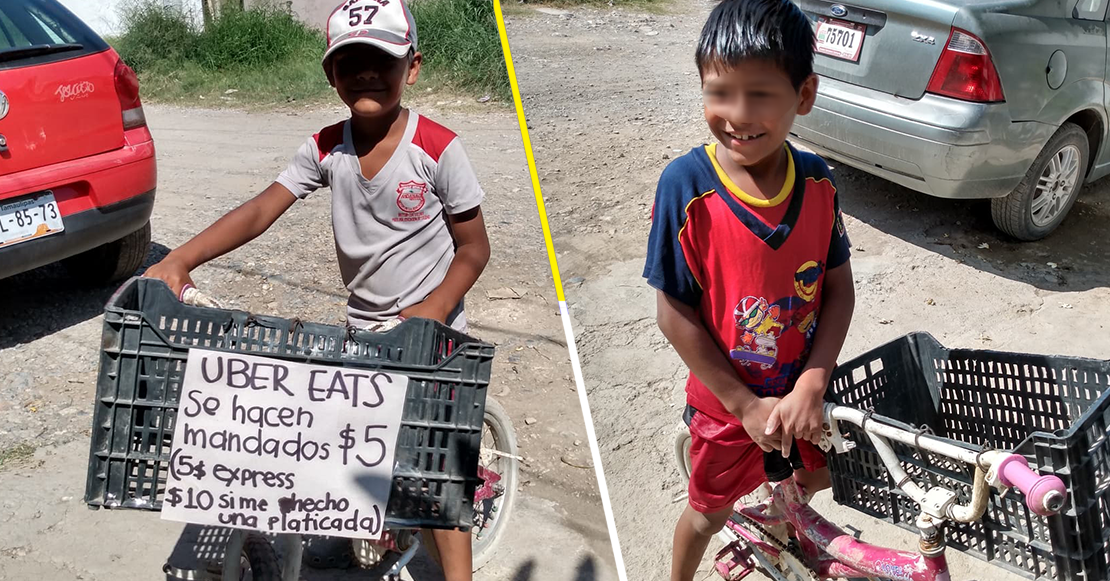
x=283 y=447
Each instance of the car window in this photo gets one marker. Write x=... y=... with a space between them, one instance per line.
x=38 y=31
x=1091 y=9
x=12 y=36
x=56 y=32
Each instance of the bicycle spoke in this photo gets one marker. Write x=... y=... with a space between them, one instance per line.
x=501 y=454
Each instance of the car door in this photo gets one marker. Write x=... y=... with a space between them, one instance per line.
x=1093 y=12
x=1097 y=10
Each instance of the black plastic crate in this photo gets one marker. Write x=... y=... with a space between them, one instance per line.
x=147 y=336
x=1053 y=410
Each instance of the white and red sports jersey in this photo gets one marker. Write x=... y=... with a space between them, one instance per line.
x=391 y=232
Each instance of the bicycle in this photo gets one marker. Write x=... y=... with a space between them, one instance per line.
x=881 y=471
x=251 y=555
x=757 y=532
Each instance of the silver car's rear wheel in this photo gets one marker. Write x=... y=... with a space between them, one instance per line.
x=1056 y=186
x=1043 y=198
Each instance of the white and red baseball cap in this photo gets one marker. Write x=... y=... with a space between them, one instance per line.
x=385 y=24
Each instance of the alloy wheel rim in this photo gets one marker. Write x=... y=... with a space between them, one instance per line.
x=1056 y=186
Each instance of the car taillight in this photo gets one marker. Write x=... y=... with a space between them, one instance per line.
x=965 y=70
x=127 y=89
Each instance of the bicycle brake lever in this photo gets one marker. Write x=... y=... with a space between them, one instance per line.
x=834 y=439
x=994 y=480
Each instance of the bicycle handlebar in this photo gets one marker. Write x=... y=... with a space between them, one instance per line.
x=190 y=295
x=1044 y=495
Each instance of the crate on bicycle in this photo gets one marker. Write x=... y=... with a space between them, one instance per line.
x=147 y=337
x=1053 y=410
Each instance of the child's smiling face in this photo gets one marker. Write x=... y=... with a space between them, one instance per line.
x=751 y=106
x=371 y=81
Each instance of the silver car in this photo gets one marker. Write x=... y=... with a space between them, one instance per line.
x=1000 y=99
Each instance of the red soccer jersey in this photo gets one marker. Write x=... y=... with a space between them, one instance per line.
x=753 y=268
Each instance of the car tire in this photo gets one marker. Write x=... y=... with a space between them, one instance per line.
x=111 y=262
x=1016 y=214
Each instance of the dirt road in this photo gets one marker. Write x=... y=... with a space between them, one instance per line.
x=210 y=161
x=612 y=95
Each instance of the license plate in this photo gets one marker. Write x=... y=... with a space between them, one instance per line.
x=29 y=218
x=839 y=38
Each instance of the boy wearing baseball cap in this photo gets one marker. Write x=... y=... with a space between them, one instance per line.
x=409 y=234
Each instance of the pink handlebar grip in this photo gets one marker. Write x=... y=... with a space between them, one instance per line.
x=1044 y=495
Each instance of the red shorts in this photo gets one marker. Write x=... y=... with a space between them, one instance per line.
x=725 y=464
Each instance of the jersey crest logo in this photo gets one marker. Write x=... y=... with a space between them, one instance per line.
x=410 y=196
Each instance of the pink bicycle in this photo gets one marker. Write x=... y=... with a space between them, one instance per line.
x=759 y=539
x=991 y=413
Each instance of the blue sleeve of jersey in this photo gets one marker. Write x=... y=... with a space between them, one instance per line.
x=839 y=252
x=667 y=268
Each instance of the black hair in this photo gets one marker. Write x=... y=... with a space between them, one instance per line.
x=774 y=30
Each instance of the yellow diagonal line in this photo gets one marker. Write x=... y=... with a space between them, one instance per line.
x=528 y=152
x=564 y=312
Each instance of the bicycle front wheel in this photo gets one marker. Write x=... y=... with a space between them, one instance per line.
x=500 y=469
x=493 y=502
x=258 y=561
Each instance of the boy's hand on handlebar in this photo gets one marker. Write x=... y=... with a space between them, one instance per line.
x=172 y=272
x=799 y=414
x=754 y=416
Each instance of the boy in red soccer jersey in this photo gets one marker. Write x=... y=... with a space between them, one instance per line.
x=751 y=261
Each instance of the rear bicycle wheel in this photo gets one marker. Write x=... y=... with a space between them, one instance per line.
x=682 y=451
x=682 y=463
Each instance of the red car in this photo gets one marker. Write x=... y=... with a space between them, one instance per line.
x=77 y=167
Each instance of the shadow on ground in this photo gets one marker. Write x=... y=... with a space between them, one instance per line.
x=201 y=549
x=1079 y=251
x=586 y=570
x=46 y=300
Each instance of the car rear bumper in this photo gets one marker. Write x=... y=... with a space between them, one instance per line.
x=102 y=198
x=935 y=145
x=83 y=231
x=94 y=181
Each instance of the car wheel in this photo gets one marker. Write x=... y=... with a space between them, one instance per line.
x=1043 y=198
x=114 y=261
